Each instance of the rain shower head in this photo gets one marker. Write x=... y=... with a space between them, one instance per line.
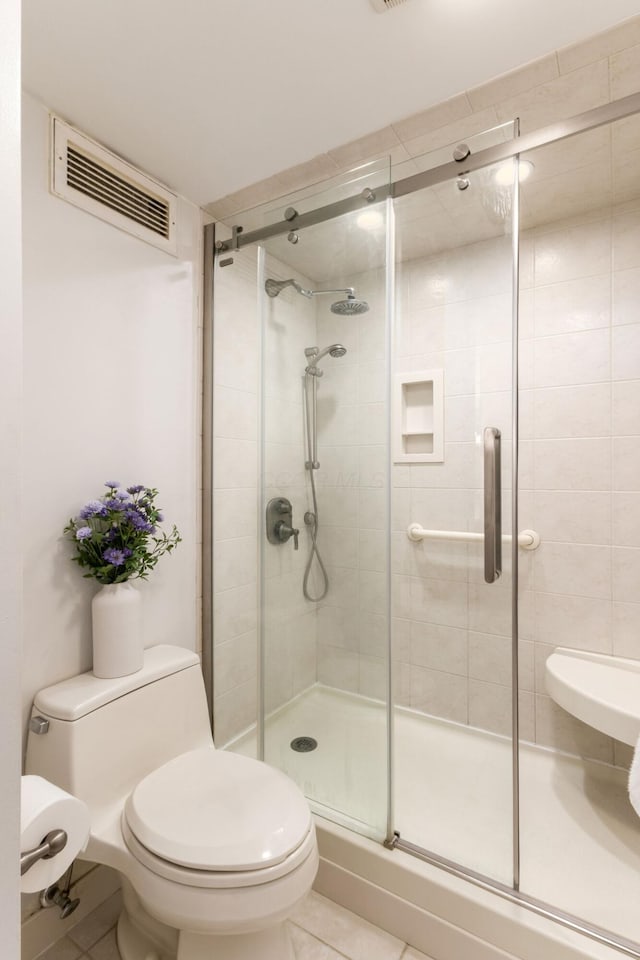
x=349 y=307
x=344 y=308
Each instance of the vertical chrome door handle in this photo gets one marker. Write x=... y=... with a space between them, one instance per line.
x=492 y=506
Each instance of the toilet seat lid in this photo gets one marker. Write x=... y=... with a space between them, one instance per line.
x=213 y=810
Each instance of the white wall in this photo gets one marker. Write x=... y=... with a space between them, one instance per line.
x=10 y=528
x=111 y=335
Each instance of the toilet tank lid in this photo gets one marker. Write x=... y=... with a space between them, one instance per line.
x=76 y=697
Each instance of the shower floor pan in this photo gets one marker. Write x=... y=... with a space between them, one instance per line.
x=580 y=839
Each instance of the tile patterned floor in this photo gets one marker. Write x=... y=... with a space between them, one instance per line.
x=320 y=930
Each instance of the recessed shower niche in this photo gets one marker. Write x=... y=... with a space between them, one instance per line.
x=419 y=417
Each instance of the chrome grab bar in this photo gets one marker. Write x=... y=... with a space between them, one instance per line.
x=492 y=506
x=53 y=843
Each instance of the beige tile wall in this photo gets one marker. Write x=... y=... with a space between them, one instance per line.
x=580 y=474
x=353 y=484
x=451 y=630
x=581 y=345
x=290 y=620
x=566 y=82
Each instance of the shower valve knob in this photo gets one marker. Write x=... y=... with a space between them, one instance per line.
x=285 y=532
x=280 y=526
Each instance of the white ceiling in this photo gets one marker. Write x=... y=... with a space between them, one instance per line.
x=212 y=95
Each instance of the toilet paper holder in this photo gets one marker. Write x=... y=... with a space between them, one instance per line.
x=52 y=844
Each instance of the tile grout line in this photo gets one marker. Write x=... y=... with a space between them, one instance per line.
x=294 y=923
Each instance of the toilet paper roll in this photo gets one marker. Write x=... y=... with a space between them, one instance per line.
x=45 y=807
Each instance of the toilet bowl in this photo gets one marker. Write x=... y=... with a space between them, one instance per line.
x=214 y=849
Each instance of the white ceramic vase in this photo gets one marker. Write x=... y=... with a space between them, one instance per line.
x=116 y=612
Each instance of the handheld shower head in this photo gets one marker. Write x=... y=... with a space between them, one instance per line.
x=337 y=350
x=314 y=354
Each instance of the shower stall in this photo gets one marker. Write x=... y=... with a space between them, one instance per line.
x=426 y=479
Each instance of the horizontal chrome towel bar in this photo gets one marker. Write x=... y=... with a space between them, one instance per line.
x=527 y=539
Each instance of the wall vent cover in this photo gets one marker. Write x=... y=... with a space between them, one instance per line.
x=382 y=5
x=93 y=178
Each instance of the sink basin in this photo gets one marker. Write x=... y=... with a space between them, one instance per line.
x=602 y=691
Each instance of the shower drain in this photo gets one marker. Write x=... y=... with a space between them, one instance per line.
x=303 y=744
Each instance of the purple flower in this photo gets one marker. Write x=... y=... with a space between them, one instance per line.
x=136 y=488
x=116 y=557
x=82 y=533
x=159 y=516
x=138 y=521
x=117 y=505
x=95 y=508
x=122 y=495
x=114 y=484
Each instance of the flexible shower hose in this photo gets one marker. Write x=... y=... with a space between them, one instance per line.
x=314 y=551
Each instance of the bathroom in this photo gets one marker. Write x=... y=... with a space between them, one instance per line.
x=577 y=486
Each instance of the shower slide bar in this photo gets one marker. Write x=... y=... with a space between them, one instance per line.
x=527 y=539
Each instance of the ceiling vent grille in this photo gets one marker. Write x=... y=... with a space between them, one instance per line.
x=90 y=177
x=382 y=5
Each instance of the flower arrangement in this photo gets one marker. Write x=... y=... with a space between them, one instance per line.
x=117 y=537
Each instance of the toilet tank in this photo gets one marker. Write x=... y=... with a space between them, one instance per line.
x=106 y=735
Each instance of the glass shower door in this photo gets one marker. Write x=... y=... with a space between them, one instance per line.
x=452 y=577
x=324 y=522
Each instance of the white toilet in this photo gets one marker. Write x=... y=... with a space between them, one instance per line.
x=214 y=849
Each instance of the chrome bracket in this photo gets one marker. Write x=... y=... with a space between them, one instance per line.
x=232 y=243
x=392 y=842
x=461 y=152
